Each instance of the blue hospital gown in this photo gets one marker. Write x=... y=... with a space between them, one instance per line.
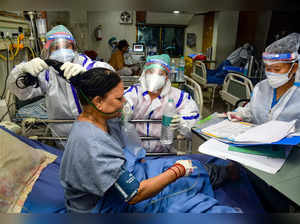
x=93 y=160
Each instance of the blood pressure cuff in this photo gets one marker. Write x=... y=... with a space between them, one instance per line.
x=127 y=185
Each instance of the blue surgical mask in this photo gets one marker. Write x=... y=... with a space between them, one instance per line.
x=63 y=55
x=276 y=80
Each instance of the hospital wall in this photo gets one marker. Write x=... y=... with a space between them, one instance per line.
x=75 y=21
x=224 y=34
x=111 y=26
x=82 y=25
x=262 y=25
x=195 y=26
x=110 y=22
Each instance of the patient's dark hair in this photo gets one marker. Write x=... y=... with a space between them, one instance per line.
x=94 y=82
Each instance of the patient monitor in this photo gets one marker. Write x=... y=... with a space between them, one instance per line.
x=138 y=52
x=138 y=49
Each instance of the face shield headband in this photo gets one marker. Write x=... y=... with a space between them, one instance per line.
x=269 y=58
x=159 y=63
x=57 y=36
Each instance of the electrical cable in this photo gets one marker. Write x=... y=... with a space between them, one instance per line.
x=7 y=73
x=3 y=116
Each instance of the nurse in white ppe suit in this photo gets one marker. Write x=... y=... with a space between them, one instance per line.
x=61 y=98
x=277 y=97
x=148 y=99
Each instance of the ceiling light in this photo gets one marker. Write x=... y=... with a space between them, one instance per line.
x=176 y=12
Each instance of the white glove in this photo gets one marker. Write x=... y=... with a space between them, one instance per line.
x=175 y=122
x=71 y=69
x=34 y=66
x=188 y=166
x=234 y=116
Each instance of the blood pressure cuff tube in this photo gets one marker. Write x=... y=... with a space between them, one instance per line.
x=127 y=185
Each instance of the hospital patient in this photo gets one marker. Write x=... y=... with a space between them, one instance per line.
x=149 y=98
x=100 y=173
x=61 y=99
x=277 y=97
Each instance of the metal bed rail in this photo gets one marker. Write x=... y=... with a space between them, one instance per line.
x=143 y=138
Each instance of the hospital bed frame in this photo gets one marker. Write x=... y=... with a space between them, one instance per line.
x=235 y=88
x=129 y=80
x=45 y=135
x=199 y=74
x=184 y=142
x=178 y=142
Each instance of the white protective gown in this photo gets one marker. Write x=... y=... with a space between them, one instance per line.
x=144 y=108
x=259 y=110
x=61 y=98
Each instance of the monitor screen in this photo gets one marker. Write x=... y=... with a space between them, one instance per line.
x=138 y=47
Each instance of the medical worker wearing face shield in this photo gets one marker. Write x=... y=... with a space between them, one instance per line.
x=61 y=99
x=277 y=97
x=149 y=98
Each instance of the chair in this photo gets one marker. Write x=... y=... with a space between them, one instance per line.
x=196 y=92
x=199 y=74
x=235 y=88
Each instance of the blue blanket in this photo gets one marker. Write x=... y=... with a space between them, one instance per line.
x=47 y=195
x=191 y=194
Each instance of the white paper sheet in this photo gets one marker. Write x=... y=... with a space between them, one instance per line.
x=219 y=149
x=245 y=133
x=227 y=129
x=268 y=132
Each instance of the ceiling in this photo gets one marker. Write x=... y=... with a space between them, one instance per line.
x=188 y=6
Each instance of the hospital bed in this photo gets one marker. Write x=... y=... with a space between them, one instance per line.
x=235 y=88
x=47 y=195
x=34 y=121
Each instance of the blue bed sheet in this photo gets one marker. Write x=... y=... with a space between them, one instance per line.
x=47 y=195
x=37 y=109
x=235 y=194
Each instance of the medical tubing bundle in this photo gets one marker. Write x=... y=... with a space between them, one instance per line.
x=27 y=79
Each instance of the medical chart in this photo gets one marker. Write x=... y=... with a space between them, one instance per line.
x=246 y=133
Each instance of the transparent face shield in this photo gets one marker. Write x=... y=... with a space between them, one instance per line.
x=155 y=70
x=60 y=49
x=273 y=58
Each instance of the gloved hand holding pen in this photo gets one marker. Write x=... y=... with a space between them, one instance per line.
x=232 y=116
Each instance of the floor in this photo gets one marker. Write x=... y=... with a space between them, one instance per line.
x=219 y=105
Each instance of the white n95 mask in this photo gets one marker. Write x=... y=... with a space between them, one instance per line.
x=63 y=55
x=154 y=82
x=276 y=80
